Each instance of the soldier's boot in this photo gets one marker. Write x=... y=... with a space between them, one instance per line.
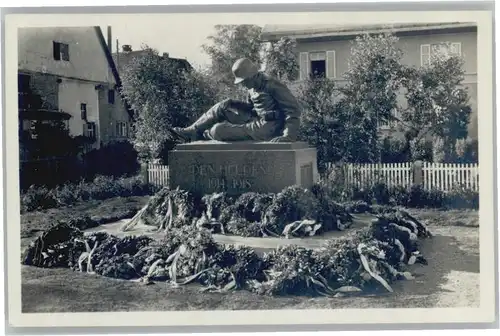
x=186 y=134
x=196 y=131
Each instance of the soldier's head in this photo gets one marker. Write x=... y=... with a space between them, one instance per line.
x=245 y=73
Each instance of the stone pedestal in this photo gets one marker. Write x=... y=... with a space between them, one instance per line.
x=211 y=166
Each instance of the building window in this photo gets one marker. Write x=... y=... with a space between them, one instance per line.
x=89 y=130
x=317 y=64
x=111 y=96
x=429 y=51
x=83 y=111
x=121 y=129
x=61 y=51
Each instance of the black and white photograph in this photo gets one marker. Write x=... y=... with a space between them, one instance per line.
x=268 y=163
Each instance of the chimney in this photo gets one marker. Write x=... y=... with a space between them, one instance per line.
x=110 y=42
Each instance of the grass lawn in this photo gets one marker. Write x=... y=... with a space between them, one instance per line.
x=450 y=280
x=464 y=218
x=105 y=211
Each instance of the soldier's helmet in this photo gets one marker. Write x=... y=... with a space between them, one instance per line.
x=243 y=69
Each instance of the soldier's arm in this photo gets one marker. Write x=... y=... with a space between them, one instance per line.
x=240 y=105
x=289 y=106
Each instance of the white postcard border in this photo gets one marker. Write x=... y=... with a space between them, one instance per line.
x=486 y=312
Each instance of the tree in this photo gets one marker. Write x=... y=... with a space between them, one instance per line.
x=320 y=125
x=467 y=150
x=162 y=96
x=370 y=95
x=373 y=78
x=393 y=150
x=328 y=124
x=229 y=43
x=437 y=104
x=342 y=122
x=281 y=59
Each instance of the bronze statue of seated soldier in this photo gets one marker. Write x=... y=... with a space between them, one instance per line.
x=271 y=112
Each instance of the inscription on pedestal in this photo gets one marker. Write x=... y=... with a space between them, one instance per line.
x=234 y=169
x=221 y=177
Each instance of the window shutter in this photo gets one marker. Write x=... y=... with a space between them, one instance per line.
x=304 y=65
x=56 y=51
x=64 y=51
x=425 y=54
x=456 y=49
x=330 y=64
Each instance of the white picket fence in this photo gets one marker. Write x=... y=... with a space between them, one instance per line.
x=441 y=176
x=392 y=174
x=447 y=176
x=157 y=174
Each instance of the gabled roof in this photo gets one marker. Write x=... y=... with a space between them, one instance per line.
x=274 y=32
x=112 y=65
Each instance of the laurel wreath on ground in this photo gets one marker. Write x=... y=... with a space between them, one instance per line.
x=365 y=260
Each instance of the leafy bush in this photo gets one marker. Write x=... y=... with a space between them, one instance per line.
x=114 y=159
x=37 y=198
x=49 y=173
x=381 y=193
x=467 y=150
x=378 y=192
x=399 y=195
x=416 y=197
x=102 y=187
x=462 y=198
x=394 y=150
x=50 y=140
x=422 y=150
